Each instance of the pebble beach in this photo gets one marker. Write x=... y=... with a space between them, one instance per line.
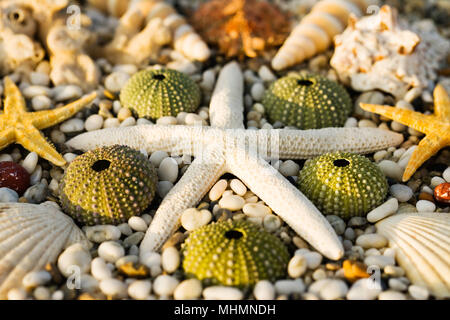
x=114 y=264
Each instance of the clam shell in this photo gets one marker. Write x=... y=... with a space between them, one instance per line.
x=30 y=237
x=422 y=245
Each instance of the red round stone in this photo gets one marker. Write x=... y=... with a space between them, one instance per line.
x=14 y=176
x=442 y=192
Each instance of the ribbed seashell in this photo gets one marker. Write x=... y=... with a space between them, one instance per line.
x=30 y=237
x=315 y=32
x=422 y=245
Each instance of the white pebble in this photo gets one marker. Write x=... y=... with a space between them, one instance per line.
x=218 y=189
x=193 y=119
x=391 y=295
x=271 y=222
x=69 y=157
x=39 y=103
x=137 y=224
x=74 y=256
x=168 y=170
x=391 y=169
x=425 y=206
x=165 y=285
x=396 y=284
x=188 y=290
x=41 y=293
x=418 y=292
x=36 y=175
x=193 y=218
x=364 y=289
x=93 y=122
x=232 y=202
x=58 y=295
x=373 y=240
x=266 y=74
x=17 y=294
x=36 y=278
x=101 y=233
x=222 y=293
x=170 y=259
x=116 y=80
x=63 y=93
x=238 y=187
x=8 y=195
x=88 y=283
x=72 y=125
x=401 y=192
x=140 y=289
x=163 y=188
x=158 y=156
x=128 y=122
x=111 y=251
x=380 y=261
x=99 y=269
x=113 y=288
x=150 y=259
x=289 y=168
x=166 y=120
x=33 y=91
x=435 y=181
x=297 y=266
x=124 y=229
x=208 y=79
x=111 y=123
x=394 y=271
x=30 y=162
x=287 y=287
x=264 y=290
x=446 y=174
x=256 y=210
x=313 y=258
x=386 y=209
x=6 y=157
x=39 y=79
x=257 y=91
x=333 y=289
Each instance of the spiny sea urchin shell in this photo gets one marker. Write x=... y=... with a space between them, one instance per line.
x=343 y=184
x=157 y=93
x=108 y=185
x=307 y=101
x=234 y=253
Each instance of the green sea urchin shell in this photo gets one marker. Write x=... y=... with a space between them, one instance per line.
x=108 y=185
x=234 y=253
x=157 y=93
x=343 y=184
x=307 y=102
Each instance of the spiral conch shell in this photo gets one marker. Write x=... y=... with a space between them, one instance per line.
x=30 y=237
x=422 y=247
x=315 y=32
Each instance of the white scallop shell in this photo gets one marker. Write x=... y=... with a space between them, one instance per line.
x=422 y=245
x=30 y=237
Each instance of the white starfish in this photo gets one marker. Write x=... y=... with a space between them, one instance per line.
x=228 y=147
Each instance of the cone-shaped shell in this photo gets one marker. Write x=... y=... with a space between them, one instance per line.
x=422 y=245
x=30 y=237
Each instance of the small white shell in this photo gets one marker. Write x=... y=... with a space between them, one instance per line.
x=30 y=237
x=422 y=245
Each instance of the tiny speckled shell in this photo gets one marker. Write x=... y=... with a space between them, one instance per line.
x=157 y=93
x=108 y=185
x=307 y=102
x=343 y=184
x=212 y=253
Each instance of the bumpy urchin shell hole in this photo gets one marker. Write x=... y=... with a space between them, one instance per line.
x=234 y=234
x=341 y=163
x=16 y=16
x=305 y=82
x=159 y=77
x=101 y=165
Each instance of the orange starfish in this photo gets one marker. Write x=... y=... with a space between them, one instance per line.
x=18 y=125
x=435 y=126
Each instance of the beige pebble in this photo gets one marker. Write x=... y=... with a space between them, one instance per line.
x=373 y=240
x=238 y=187
x=256 y=210
x=166 y=120
x=297 y=266
x=193 y=218
x=188 y=290
x=232 y=202
x=218 y=189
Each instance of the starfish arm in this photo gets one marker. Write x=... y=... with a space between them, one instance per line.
x=190 y=189
x=287 y=201
x=227 y=105
x=14 y=101
x=427 y=147
x=48 y=118
x=302 y=144
x=412 y=119
x=31 y=139
x=441 y=103
x=7 y=136
x=170 y=138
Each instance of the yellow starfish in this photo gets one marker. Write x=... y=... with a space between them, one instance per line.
x=18 y=125
x=435 y=126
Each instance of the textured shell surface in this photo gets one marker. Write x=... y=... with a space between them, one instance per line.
x=422 y=242
x=32 y=236
x=157 y=93
x=236 y=253
x=307 y=101
x=342 y=183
